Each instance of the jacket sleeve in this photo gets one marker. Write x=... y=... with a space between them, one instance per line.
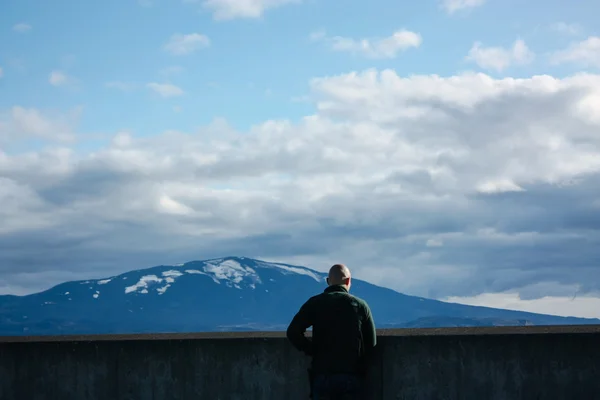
x=369 y=331
x=297 y=328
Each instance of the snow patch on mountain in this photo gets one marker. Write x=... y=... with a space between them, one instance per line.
x=169 y=278
x=288 y=269
x=299 y=271
x=231 y=271
x=196 y=272
x=222 y=270
x=143 y=284
x=104 y=281
x=162 y=290
x=172 y=273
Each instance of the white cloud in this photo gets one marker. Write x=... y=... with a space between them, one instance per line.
x=434 y=243
x=452 y=6
x=585 y=53
x=412 y=181
x=169 y=206
x=22 y=27
x=165 y=89
x=21 y=123
x=387 y=47
x=499 y=58
x=567 y=29
x=60 y=78
x=586 y=307
x=499 y=186
x=181 y=45
x=233 y=9
x=122 y=139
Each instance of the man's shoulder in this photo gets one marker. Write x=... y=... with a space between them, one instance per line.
x=314 y=299
x=361 y=302
x=324 y=296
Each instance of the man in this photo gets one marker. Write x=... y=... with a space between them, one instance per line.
x=343 y=338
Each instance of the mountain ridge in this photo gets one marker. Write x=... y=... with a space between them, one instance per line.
x=228 y=293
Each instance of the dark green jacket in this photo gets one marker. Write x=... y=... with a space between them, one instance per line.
x=343 y=334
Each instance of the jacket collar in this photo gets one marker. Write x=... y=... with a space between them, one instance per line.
x=336 y=288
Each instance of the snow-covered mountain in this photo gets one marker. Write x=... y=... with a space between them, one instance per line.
x=232 y=293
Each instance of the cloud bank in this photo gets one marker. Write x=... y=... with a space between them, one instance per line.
x=435 y=186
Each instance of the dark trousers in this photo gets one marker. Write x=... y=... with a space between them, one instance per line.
x=337 y=387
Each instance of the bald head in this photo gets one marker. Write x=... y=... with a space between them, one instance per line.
x=339 y=274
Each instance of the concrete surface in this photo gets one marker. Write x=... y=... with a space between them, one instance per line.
x=508 y=363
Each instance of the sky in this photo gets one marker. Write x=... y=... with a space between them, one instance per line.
x=442 y=148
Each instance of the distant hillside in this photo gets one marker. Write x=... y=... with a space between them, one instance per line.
x=227 y=294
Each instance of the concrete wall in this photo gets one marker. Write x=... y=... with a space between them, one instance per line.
x=476 y=363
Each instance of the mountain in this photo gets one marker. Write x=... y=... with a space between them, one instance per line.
x=226 y=294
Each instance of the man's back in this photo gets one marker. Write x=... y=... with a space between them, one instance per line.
x=343 y=332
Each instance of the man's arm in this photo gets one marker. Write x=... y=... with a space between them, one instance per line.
x=369 y=332
x=300 y=323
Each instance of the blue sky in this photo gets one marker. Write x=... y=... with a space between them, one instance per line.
x=415 y=141
x=253 y=67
